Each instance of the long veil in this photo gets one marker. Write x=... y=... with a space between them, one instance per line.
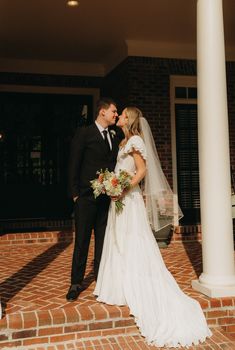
x=161 y=204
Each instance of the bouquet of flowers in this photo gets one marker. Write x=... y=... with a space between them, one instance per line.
x=112 y=184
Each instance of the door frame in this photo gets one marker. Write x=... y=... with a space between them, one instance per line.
x=94 y=92
x=13 y=88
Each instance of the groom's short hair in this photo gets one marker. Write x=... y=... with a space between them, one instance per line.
x=104 y=102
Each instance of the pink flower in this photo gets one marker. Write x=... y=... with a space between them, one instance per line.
x=101 y=178
x=114 y=182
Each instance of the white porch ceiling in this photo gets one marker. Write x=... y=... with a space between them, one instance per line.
x=99 y=33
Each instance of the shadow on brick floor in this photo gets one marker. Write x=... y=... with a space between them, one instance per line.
x=29 y=271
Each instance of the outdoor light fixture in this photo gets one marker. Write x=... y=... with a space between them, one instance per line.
x=1 y=136
x=72 y=3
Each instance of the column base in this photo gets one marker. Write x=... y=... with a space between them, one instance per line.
x=214 y=291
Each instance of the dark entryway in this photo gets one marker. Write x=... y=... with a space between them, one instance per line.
x=36 y=132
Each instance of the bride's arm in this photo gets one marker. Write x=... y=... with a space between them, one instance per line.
x=140 y=165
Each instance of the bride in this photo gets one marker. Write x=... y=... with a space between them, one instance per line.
x=132 y=271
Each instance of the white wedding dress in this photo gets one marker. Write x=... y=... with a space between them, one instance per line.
x=132 y=272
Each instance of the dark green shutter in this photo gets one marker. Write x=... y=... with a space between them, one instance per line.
x=187 y=162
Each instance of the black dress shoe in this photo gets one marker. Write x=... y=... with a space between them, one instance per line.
x=73 y=292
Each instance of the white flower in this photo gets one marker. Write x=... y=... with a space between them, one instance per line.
x=113 y=133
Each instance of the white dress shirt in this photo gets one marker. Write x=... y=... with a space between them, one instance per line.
x=101 y=129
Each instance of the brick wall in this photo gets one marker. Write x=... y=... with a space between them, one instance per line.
x=144 y=82
x=116 y=85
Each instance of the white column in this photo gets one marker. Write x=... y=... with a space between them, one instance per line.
x=218 y=277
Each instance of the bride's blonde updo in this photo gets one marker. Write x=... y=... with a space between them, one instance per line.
x=133 y=126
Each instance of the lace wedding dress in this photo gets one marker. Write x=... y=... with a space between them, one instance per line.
x=132 y=272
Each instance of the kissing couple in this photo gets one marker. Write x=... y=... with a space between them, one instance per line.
x=128 y=266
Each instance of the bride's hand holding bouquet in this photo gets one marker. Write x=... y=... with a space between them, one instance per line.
x=114 y=185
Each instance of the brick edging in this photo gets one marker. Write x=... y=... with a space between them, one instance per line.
x=51 y=237
x=181 y=233
x=68 y=323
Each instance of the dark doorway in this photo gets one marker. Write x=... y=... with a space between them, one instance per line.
x=187 y=162
x=36 y=130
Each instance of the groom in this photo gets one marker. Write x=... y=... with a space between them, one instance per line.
x=93 y=148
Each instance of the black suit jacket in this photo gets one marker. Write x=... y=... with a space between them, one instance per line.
x=89 y=155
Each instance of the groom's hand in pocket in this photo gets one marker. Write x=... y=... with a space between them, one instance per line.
x=75 y=199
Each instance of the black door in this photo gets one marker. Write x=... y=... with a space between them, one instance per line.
x=36 y=130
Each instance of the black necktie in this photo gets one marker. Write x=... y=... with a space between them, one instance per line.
x=105 y=132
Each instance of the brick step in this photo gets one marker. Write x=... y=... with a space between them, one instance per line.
x=78 y=323
x=34 y=279
x=65 y=324
x=219 y=340
x=19 y=239
x=181 y=233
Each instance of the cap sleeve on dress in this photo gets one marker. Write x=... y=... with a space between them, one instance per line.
x=136 y=143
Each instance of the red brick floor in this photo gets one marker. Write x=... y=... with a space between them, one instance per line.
x=35 y=278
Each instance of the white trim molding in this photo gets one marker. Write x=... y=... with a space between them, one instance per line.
x=95 y=93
